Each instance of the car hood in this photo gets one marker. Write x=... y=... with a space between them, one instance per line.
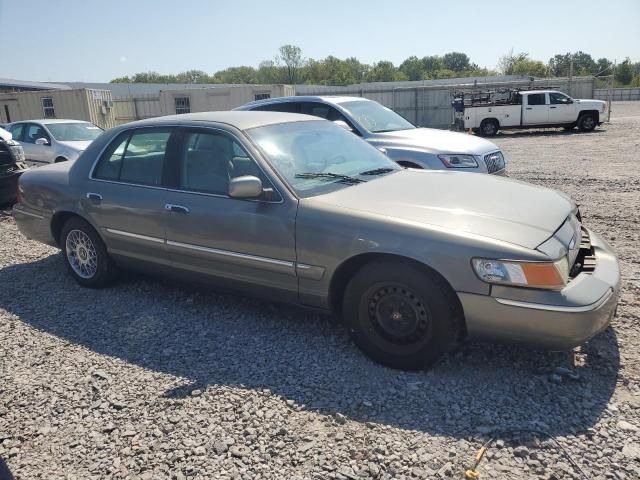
x=79 y=146
x=493 y=207
x=435 y=141
x=587 y=101
x=5 y=135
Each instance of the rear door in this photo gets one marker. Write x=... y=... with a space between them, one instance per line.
x=535 y=109
x=248 y=241
x=125 y=196
x=561 y=108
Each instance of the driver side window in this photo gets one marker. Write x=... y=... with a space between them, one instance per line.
x=34 y=132
x=210 y=160
x=558 y=99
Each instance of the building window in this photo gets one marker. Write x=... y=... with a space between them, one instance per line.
x=262 y=96
x=183 y=105
x=47 y=107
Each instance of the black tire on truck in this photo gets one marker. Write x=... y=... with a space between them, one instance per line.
x=489 y=127
x=587 y=122
x=400 y=315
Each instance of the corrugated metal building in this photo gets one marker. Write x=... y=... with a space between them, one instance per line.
x=94 y=106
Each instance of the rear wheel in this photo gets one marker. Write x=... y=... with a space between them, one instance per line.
x=85 y=254
x=587 y=122
x=399 y=315
x=489 y=127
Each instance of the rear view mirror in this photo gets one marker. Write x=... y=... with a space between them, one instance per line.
x=343 y=124
x=42 y=141
x=246 y=186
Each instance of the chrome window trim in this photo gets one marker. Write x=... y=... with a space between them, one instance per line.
x=557 y=308
x=228 y=253
x=172 y=125
x=135 y=235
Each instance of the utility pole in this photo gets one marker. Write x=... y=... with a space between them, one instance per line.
x=571 y=76
x=611 y=84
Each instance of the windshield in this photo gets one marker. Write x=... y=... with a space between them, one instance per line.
x=74 y=132
x=318 y=157
x=375 y=117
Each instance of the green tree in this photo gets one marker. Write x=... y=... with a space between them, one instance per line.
x=508 y=60
x=236 y=75
x=456 y=61
x=124 y=79
x=430 y=65
x=269 y=72
x=383 y=71
x=194 y=76
x=291 y=57
x=603 y=67
x=413 y=68
x=534 y=68
x=624 y=72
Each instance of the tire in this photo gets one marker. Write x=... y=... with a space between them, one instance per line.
x=489 y=127
x=399 y=315
x=587 y=122
x=80 y=243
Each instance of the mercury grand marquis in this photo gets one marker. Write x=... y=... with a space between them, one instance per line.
x=299 y=209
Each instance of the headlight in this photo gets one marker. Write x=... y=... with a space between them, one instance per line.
x=455 y=160
x=551 y=275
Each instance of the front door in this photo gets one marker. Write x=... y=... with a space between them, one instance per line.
x=125 y=197
x=536 y=109
x=561 y=108
x=34 y=152
x=248 y=241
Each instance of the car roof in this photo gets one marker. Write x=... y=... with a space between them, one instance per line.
x=47 y=121
x=239 y=119
x=333 y=99
x=540 y=91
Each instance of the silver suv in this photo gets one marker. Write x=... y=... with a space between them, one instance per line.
x=53 y=140
x=402 y=141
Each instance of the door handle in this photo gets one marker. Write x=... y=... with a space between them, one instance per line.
x=176 y=208
x=528 y=108
x=552 y=107
x=94 y=196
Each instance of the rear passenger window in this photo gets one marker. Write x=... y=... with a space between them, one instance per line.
x=16 y=131
x=536 y=99
x=135 y=158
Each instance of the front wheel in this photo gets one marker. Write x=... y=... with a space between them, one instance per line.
x=399 y=315
x=85 y=254
x=489 y=127
x=587 y=122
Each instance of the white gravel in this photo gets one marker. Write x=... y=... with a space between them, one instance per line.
x=154 y=380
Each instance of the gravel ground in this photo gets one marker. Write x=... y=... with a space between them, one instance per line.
x=155 y=380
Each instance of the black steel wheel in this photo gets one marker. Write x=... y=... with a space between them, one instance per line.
x=400 y=315
x=587 y=122
x=489 y=127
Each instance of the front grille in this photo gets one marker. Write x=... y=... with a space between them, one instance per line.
x=585 y=261
x=494 y=161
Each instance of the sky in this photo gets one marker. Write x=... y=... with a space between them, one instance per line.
x=95 y=41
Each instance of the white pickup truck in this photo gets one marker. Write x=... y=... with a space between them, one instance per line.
x=487 y=114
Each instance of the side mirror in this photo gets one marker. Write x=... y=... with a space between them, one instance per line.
x=570 y=101
x=42 y=141
x=246 y=186
x=343 y=124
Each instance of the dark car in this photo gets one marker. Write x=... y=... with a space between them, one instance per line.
x=11 y=167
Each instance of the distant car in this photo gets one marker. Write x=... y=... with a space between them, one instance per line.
x=404 y=143
x=11 y=167
x=52 y=141
x=297 y=209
